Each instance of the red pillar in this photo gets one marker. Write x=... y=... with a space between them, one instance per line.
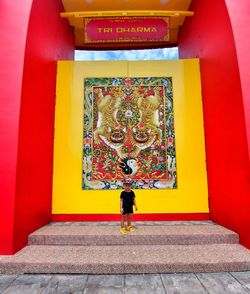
x=34 y=38
x=239 y=17
x=209 y=36
x=13 y=30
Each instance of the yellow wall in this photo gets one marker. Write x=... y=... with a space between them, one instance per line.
x=191 y=195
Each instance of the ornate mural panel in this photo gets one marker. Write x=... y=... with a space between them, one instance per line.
x=128 y=132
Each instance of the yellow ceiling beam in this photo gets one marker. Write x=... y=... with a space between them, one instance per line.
x=82 y=14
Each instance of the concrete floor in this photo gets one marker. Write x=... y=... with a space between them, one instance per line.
x=215 y=283
x=157 y=247
x=189 y=283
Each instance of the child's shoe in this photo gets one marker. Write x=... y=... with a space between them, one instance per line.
x=123 y=231
x=131 y=228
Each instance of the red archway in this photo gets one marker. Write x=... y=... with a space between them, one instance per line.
x=37 y=39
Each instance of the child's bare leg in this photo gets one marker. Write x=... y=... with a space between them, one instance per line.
x=129 y=220
x=130 y=228
x=122 y=228
x=123 y=221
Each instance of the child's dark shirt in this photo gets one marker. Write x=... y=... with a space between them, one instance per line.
x=127 y=198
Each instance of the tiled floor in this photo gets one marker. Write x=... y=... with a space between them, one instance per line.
x=215 y=283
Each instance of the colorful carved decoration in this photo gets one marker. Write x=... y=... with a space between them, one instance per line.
x=128 y=131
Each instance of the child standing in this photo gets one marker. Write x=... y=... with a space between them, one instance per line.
x=127 y=201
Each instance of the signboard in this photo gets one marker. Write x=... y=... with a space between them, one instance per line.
x=126 y=29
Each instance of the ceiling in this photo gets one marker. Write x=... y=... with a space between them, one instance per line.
x=76 y=10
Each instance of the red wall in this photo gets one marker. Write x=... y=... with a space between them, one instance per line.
x=29 y=151
x=209 y=36
x=49 y=39
x=13 y=38
x=239 y=16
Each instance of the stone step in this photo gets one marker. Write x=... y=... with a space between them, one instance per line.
x=100 y=235
x=127 y=259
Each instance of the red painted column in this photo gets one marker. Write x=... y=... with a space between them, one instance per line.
x=49 y=39
x=14 y=17
x=209 y=36
x=239 y=17
x=33 y=38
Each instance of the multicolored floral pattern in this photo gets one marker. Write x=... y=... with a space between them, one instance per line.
x=128 y=132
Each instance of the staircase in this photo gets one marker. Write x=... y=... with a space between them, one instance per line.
x=155 y=247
